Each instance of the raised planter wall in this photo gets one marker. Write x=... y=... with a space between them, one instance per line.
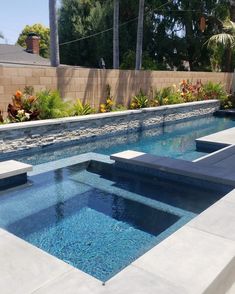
x=39 y=134
x=90 y=84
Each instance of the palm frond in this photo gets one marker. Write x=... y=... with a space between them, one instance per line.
x=229 y=26
x=225 y=39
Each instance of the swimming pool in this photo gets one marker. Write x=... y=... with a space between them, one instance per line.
x=99 y=219
x=176 y=140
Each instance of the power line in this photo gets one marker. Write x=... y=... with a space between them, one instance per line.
x=110 y=29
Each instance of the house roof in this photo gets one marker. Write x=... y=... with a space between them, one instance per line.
x=17 y=55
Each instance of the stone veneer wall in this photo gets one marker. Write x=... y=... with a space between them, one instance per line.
x=38 y=134
x=89 y=85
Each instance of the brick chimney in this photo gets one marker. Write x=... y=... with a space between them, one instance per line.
x=32 y=43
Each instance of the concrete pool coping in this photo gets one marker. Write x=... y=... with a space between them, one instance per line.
x=198 y=258
x=217 y=140
x=12 y=168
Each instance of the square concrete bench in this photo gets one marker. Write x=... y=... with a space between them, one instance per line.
x=13 y=173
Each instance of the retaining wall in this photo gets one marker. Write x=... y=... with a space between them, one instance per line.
x=39 y=134
x=89 y=85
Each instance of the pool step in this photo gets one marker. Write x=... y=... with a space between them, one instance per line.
x=13 y=173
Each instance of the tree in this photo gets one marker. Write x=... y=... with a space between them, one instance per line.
x=54 y=39
x=44 y=34
x=79 y=19
x=116 y=34
x=225 y=43
x=172 y=36
x=139 y=42
x=226 y=37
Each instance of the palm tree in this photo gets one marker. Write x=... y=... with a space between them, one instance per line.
x=139 y=43
x=54 y=40
x=116 y=34
x=226 y=37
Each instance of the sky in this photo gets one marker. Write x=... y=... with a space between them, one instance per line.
x=16 y=14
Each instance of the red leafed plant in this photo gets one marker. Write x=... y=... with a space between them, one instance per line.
x=191 y=92
x=23 y=106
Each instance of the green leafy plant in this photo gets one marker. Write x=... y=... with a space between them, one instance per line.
x=82 y=109
x=119 y=107
x=139 y=101
x=217 y=91
x=168 y=95
x=51 y=105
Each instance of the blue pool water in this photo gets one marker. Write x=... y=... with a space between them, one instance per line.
x=177 y=141
x=99 y=222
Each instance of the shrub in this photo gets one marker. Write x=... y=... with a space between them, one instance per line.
x=168 y=95
x=216 y=91
x=119 y=107
x=23 y=106
x=108 y=105
x=81 y=109
x=139 y=101
x=191 y=92
x=50 y=105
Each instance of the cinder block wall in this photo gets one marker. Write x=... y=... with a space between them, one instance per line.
x=14 y=78
x=89 y=85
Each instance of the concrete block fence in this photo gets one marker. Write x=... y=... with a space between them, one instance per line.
x=89 y=85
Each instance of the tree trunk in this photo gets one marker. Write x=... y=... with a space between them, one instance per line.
x=139 y=43
x=54 y=39
x=232 y=10
x=116 y=34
